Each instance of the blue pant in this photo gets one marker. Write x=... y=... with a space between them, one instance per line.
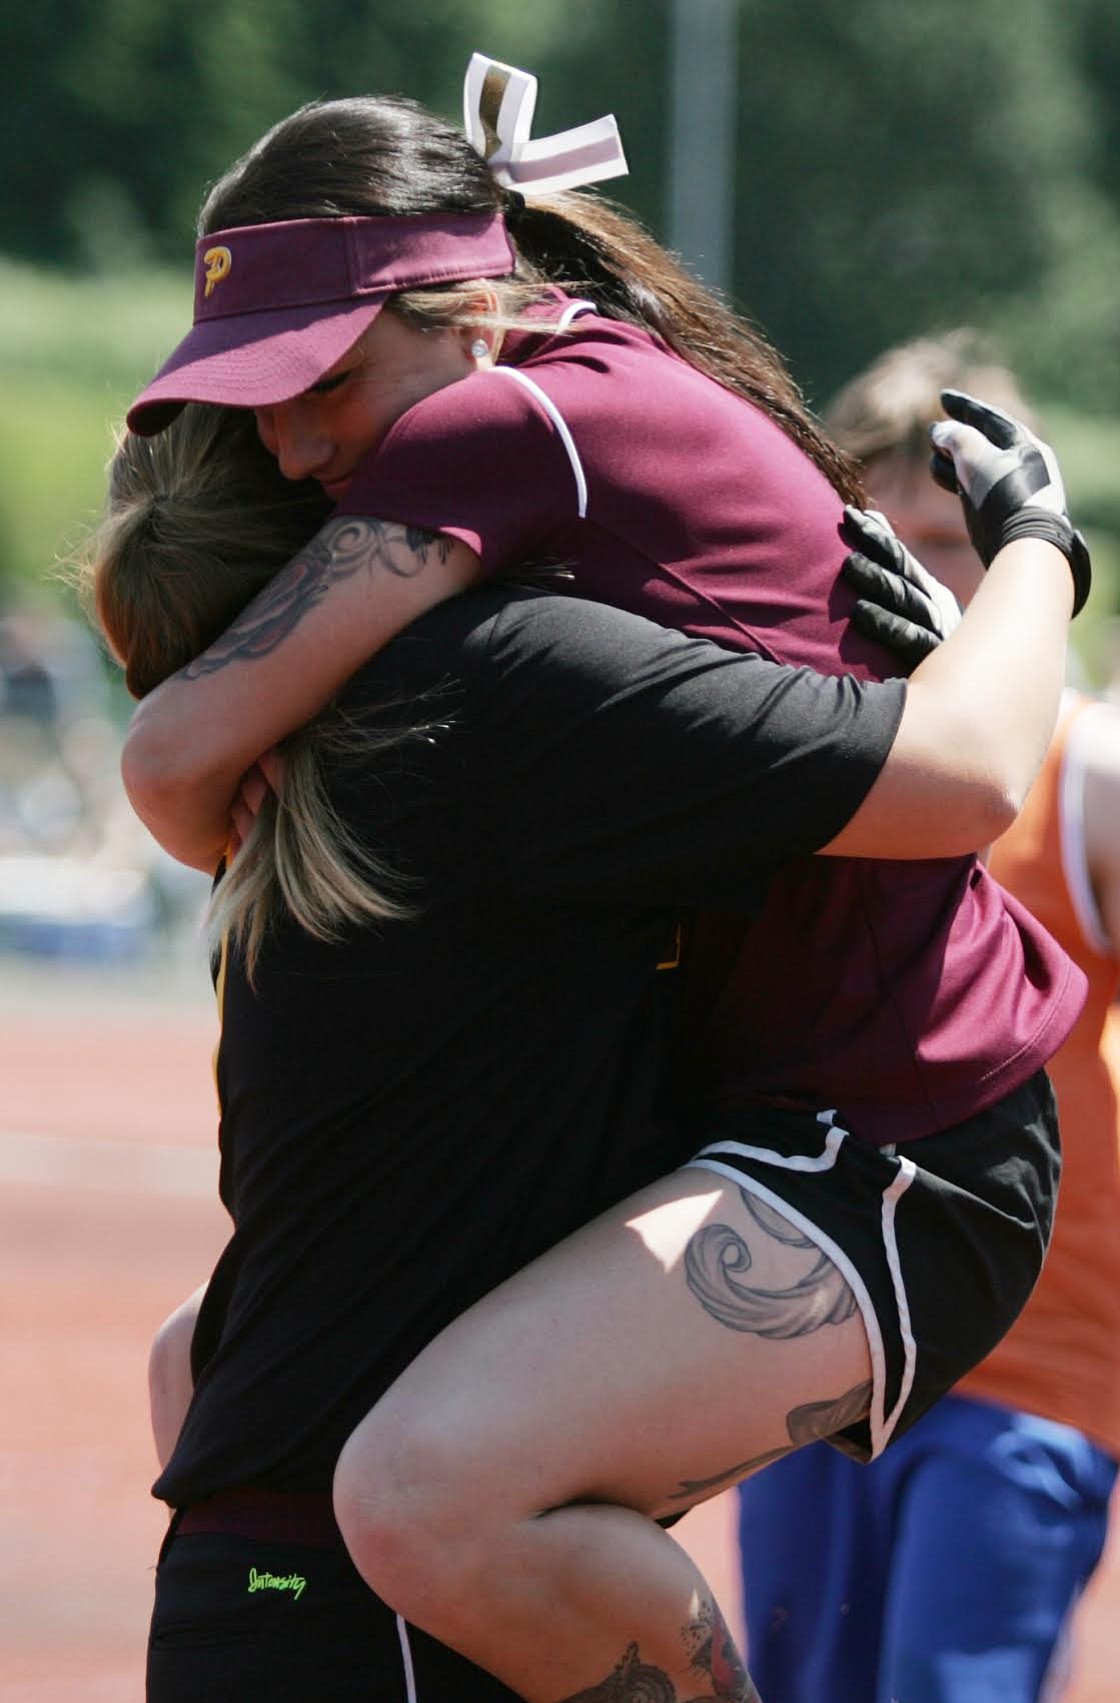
x=945 y=1572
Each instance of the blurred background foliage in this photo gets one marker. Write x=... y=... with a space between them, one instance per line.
x=898 y=170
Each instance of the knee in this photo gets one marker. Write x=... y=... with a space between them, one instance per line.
x=405 y=1512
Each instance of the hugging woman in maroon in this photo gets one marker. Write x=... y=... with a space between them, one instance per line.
x=496 y=421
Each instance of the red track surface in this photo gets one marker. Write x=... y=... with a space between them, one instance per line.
x=107 y=1220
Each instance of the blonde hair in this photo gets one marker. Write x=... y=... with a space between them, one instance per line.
x=885 y=411
x=197 y=521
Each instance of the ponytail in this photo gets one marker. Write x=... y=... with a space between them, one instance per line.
x=605 y=254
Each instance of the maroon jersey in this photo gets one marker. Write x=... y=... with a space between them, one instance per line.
x=908 y=996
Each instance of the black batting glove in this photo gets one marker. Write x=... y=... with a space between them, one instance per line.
x=900 y=606
x=1009 y=483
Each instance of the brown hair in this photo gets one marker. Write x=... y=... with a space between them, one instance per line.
x=885 y=411
x=387 y=156
x=198 y=520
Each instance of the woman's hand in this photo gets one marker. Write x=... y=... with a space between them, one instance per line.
x=266 y=776
x=1009 y=483
x=980 y=709
x=901 y=606
x=251 y=794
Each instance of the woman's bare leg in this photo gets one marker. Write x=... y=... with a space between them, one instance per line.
x=500 y=1494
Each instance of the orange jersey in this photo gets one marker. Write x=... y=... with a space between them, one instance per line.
x=1061 y=1360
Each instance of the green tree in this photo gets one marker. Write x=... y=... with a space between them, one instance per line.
x=898 y=167
x=904 y=168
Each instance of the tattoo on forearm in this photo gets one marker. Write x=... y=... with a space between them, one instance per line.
x=342 y=549
x=710 y=1658
x=806 y=1424
x=717 y=1258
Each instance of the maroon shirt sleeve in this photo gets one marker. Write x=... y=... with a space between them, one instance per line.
x=481 y=460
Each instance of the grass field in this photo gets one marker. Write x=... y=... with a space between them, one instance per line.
x=73 y=351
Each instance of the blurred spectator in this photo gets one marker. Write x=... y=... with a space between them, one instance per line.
x=948 y=1571
x=79 y=877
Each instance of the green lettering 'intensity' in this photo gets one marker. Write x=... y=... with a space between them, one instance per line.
x=293 y=1582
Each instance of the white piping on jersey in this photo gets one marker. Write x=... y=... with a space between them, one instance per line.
x=572 y=311
x=1071 y=836
x=882 y=1425
x=410 y=1691
x=562 y=429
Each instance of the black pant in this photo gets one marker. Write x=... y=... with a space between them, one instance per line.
x=244 y=1620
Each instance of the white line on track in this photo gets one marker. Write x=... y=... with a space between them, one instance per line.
x=113 y=1167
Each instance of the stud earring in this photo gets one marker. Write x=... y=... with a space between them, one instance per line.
x=479 y=348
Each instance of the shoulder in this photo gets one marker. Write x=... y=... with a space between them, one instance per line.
x=588 y=353
x=568 y=661
x=581 y=638
x=513 y=642
x=486 y=432
x=501 y=629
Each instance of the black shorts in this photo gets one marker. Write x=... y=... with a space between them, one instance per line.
x=941 y=1240
x=257 y=1601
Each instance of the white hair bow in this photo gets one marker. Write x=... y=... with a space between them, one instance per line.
x=498 y=103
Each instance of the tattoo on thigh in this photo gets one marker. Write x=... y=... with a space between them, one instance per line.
x=691 y=1487
x=715 y=1660
x=768 y=1218
x=633 y=1681
x=805 y=1424
x=717 y=1258
x=711 y=1658
x=340 y=550
x=817 y=1419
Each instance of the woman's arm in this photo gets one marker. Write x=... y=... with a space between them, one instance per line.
x=290 y=651
x=980 y=711
x=981 y=708
x=170 y=1383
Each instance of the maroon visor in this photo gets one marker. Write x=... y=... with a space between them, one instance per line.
x=275 y=306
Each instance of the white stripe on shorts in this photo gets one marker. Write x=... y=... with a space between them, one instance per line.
x=881 y=1424
x=891 y=1198
x=410 y=1691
